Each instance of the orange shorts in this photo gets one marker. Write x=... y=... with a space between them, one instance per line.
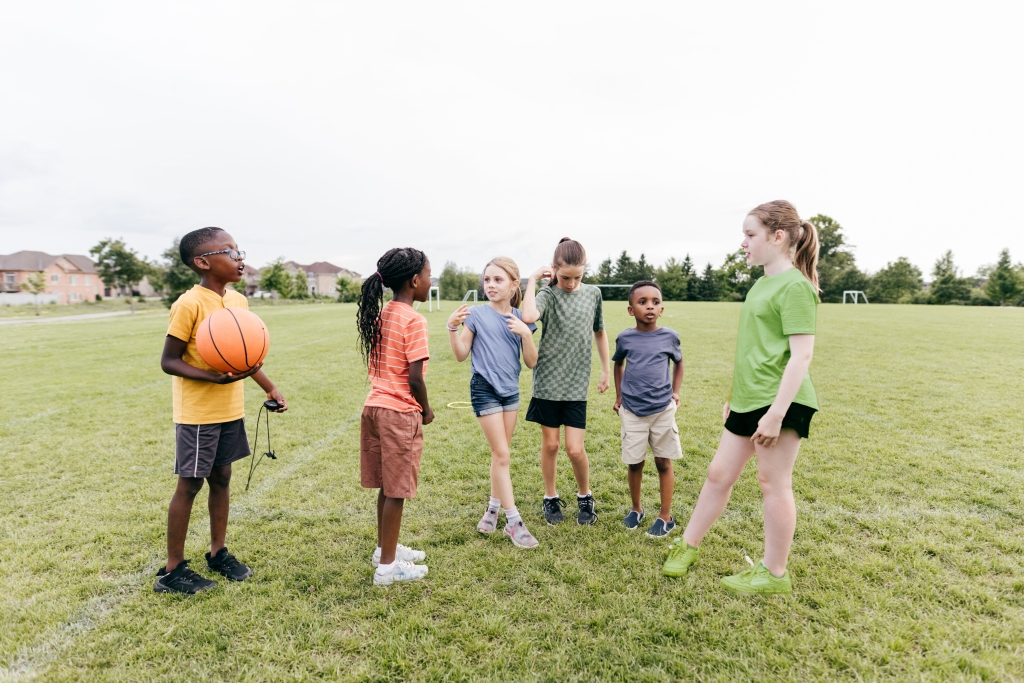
x=390 y=446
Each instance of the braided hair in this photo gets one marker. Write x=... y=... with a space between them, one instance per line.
x=394 y=269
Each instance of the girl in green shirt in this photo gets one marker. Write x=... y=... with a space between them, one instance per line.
x=772 y=399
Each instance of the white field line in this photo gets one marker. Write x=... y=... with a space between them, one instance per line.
x=31 y=661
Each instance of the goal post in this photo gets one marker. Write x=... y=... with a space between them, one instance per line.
x=465 y=298
x=434 y=291
x=854 y=294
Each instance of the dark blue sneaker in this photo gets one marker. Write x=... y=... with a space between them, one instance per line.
x=634 y=518
x=660 y=529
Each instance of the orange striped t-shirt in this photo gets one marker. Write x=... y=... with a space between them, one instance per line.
x=403 y=341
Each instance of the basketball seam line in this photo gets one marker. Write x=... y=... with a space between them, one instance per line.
x=241 y=334
x=214 y=342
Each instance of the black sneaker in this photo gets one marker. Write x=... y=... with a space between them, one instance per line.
x=553 y=510
x=586 y=515
x=181 y=580
x=225 y=563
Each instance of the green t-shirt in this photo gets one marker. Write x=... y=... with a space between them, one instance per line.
x=776 y=307
x=569 y=322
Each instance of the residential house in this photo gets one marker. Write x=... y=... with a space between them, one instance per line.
x=321 y=277
x=251 y=278
x=70 y=278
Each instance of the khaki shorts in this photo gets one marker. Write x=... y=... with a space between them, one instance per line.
x=660 y=431
x=390 y=446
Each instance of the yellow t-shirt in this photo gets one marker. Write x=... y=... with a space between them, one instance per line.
x=197 y=402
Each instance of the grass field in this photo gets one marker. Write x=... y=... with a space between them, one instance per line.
x=907 y=562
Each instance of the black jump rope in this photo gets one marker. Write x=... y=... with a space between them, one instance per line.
x=270 y=406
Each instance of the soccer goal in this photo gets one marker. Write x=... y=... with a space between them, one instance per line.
x=854 y=293
x=434 y=291
x=466 y=298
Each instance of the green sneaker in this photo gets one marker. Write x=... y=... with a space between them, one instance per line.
x=680 y=557
x=759 y=580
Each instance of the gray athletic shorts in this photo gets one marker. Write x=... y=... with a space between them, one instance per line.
x=200 y=448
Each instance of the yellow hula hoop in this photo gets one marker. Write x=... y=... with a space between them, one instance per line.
x=460 y=404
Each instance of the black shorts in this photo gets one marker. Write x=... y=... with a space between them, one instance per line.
x=798 y=418
x=557 y=413
x=200 y=448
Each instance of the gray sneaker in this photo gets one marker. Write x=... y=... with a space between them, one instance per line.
x=402 y=554
x=402 y=571
x=520 y=535
x=489 y=522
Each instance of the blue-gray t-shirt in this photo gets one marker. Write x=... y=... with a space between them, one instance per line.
x=495 y=350
x=646 y=382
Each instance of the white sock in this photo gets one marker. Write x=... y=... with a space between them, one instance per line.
x=511 y=516
x=551 y=497
x=581 y=496
x=495 y=503
x=376 y=553
x=386 y=568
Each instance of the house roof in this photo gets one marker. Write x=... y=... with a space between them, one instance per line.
x=35 y=261
x=322 y=268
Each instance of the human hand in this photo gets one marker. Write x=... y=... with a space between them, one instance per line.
x=277 y=396
x=725 y=412
x=617 y=404
x=517 y=326
x=602 y=384
x=542 y=272
x=675 y=397
x=768 y=428
x=428 y=416
x=459 y=316
x=229 y=377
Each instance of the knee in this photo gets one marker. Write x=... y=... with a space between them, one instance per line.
x=720 y=476
x=663 y=464
x=501 y=458
x=549 y=448
x=636 y=467
x=774 y=486
x=190 y=488
x=576 y=453
x=219 y=481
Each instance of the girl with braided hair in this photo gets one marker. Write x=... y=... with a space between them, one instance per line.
x=393 y=340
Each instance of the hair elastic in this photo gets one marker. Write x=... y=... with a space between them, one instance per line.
x=381 y=277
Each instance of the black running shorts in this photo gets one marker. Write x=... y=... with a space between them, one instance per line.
x=200 y=448
x=798 y=418
x=557 y=413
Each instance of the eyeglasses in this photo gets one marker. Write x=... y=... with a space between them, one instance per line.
x=233 y=254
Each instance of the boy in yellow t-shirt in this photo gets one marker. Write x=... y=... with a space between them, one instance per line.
x=208 y=411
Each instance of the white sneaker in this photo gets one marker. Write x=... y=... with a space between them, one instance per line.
x=402 y=554
x=402 y=571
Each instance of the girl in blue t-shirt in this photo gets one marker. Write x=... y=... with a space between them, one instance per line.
x=496 y=334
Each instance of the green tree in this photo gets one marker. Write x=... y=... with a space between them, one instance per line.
x=899 y=278
x=300 y=285
x=348 y=289
x=1003 y=284
x=708 y=287
x=36 y=285
x=275 y=278
x=947 y=285
x=736 y=277
x=455 y=282
x=837 y=268
x=673 y=280
x=174 y=277
x=119 y=267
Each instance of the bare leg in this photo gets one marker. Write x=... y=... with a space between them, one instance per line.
x=635 y=476
x=775 y=474
x=178 y=515
x=666 y=484
x=731 y=457
x=498 y=437
x=381 y=498
x=391 y=524
x=549 y=458
x=219 y=504
x=577 y=453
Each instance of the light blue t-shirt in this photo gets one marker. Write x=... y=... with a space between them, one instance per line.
x=495 y=351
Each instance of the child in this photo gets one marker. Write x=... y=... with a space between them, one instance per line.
x=497 y=334
x=394 y=345
x=646 y=401
x=772 y=400
x=209 y=411
x=571 y=312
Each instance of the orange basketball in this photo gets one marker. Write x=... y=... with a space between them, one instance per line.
x=232 y=340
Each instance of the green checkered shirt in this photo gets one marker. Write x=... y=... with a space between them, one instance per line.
x=569 y=322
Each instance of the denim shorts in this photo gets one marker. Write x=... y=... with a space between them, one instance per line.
x=486 y=401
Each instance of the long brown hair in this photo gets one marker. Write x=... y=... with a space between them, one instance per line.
x=512 y=270
x=569 y=252
x=801 y=234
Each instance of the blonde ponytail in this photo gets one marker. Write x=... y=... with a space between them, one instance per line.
x=801 y=235
x=806 y=256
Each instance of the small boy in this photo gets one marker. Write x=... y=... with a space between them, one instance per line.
x=208 y=411
x=646 y=401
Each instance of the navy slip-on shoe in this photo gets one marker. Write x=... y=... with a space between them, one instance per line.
x=660 y=529
x=633 y=519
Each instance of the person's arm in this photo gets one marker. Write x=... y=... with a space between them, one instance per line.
x=419 y=390
x=461 y=344
x=530 y=312
x=266 y=385
x=677 y=380
x=172 y=363
x=601 y=339
x=518 y=327
x=801 y=350
x=620 y=368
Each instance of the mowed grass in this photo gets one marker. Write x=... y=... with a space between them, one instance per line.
x=907 y=562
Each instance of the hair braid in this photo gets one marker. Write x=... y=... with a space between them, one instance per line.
x=394 y=269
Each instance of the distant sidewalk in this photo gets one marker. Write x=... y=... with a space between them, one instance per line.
x=64 y=318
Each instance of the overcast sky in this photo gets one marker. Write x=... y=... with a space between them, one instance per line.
x=336 y=130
